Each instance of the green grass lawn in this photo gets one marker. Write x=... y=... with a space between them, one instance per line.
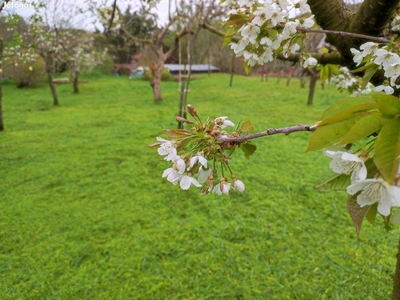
x=85 y=214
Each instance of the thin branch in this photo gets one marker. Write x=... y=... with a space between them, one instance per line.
x=112 y=17
x=323 y=58
x=342 y=33
x=139 y=40
x=271 y=131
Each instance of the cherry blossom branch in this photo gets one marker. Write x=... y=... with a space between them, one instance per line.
x=304 y=30
x=271 y=131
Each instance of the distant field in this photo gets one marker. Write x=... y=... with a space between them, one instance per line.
x=85 y=214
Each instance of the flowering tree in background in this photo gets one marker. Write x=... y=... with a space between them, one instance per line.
x=360 y=134
x=78 y=48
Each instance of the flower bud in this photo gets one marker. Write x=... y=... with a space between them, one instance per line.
x=183 y=120
x=192 y=111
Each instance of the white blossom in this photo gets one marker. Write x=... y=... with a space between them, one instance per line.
x=185 y=181
x=395 y=25
x=309 y=22
x=347 y=163
x=311 y=61
x=376 y=191
x=238 y=185
x=198 y=158
x=222 y=188
x=203 y=175
x=387 y=89
x=358 y=56
x=175 y=172
x=222 y=122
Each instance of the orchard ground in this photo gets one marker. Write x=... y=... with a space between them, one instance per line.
x=85 y=214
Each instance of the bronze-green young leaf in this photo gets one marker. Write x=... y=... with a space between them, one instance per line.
x=363 y=128
x=329 y=134
x=247 y=127
x=387 y=149
x=348 y=113
x=371 y=214
x=337 y=182
x=356 y=212
x=344 y=104
x=388 y=105
x=248 y=148
x=177 y=133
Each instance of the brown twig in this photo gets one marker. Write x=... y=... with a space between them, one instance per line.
x=342 y=33
x=271 y=131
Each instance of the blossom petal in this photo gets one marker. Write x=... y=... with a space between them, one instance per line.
x=238 y=185
x=359 y=185
x=203 y=175
x=203 y=161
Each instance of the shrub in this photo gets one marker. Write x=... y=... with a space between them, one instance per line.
x=106 y=66
x=165 y=75
x=24 y=74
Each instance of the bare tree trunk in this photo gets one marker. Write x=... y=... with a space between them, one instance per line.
x=181 y=98
x=396 y=278
x=49 y=60
x=232 y=70
x=157 y=82
x=313 y=82
x=53 y=88
x=75 y=82
x=1 y=87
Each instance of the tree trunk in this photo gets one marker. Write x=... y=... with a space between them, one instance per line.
x=53 y=88
x=396 y=278
x=232 y=70
x=75 y=82
x=1 y=87
x=313 y=82
x=157 y=82
x=49 y=60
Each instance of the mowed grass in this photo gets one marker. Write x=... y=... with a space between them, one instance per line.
x=85 y=214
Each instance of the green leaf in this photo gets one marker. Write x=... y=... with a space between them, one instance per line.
x=329 y=134
x=387 y=149
x=236 y=19
x=327 y=71
x=356 y=212
x=368 y=75
x=247 y=68
x=248 y=148
x=228 y=36
x=371 y=214
x=344 y=104
x=363 y=68
x=337 y=182
x=348 y=113
x=324 y=74
x=363 y=128
x=388 y=105
x=247 y=127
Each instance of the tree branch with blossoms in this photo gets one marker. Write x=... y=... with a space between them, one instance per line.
x=271 y=131
x=360 y=134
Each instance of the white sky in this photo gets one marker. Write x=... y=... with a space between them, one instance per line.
x=161 y=10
